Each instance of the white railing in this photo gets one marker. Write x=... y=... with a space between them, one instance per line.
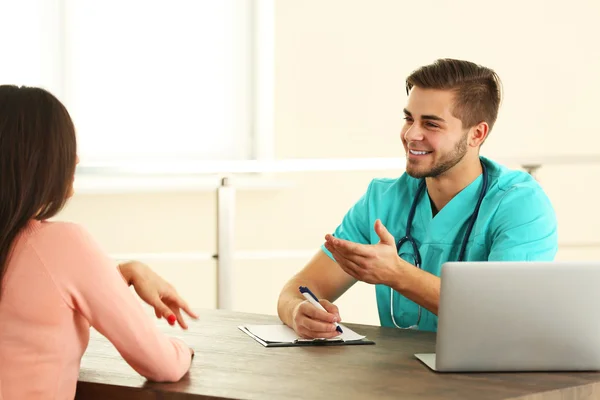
x=222 y=176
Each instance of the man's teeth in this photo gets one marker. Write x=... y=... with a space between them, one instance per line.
x=419 y=153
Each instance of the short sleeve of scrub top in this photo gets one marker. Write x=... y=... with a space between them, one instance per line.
x=516 y=222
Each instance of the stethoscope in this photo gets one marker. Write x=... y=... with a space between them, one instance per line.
x=408 y=238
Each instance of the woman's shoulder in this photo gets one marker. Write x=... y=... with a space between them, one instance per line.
x=59 y=230
x=61 y=239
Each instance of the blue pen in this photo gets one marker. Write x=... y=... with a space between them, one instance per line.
x=313 y=299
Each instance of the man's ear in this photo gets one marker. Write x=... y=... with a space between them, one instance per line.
x=478 y=134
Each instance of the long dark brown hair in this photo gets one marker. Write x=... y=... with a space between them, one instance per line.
x=38 y=152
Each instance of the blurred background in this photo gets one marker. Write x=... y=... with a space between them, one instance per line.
x=220 y=140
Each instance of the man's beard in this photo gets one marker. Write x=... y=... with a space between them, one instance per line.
x=447 y=162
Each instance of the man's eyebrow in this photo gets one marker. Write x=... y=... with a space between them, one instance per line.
x=433 y=118
x=429 y=117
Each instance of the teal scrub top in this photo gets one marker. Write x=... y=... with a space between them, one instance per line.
x=516 y=222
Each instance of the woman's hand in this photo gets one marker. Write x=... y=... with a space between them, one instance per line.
x=157 y=292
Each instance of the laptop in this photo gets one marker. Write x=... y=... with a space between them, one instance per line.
x=517 y=316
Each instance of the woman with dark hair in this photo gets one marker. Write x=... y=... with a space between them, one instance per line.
x=55 y=281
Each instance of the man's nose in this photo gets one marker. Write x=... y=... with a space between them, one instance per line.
x=414 y=133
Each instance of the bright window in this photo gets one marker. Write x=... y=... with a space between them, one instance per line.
x=143 y=80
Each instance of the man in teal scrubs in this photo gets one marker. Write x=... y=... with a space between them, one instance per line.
x=452 y=107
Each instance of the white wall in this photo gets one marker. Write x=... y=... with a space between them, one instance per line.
x=339 y=91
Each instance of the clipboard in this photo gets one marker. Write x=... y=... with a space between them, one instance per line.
x=283 y=336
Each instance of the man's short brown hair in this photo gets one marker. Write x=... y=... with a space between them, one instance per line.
x=477 y=89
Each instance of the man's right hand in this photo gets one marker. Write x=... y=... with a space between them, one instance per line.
x=310 y=323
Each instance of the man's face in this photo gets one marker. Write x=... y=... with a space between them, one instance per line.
x=434 y=140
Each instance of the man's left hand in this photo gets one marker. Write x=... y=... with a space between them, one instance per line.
x=374 y=263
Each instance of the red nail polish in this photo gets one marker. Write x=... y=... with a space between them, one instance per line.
x=171 y=319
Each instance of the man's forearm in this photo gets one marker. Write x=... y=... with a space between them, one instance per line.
x=419 y=286
x=288 y=300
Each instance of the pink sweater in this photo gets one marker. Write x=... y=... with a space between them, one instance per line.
x=58 y=283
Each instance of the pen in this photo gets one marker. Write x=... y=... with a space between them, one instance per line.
x=314 y=301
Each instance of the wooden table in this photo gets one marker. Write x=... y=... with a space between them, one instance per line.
x=230 y=365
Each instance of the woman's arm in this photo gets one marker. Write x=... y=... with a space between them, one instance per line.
x=90 y=284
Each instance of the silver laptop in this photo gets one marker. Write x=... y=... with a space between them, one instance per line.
x=518 y=316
